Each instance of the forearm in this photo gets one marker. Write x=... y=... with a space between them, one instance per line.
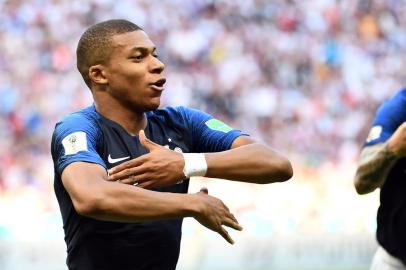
x=125 y=203
x=374 y=166
x=113 y=201
x=253 y=163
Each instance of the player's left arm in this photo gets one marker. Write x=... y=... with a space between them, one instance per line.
x=249 y=161
x=246 y=161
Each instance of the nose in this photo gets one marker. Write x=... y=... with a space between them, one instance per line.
x=156 y=66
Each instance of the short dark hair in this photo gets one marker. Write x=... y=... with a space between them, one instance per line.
x=95 y=44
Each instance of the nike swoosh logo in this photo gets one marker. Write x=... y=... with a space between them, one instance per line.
x=115 y=160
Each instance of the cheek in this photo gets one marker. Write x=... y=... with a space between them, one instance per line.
x=129 y=73
x=135 y=75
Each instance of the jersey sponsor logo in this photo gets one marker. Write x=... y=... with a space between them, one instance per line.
x=115 y=160
x=216 y=124
x=75 y=142
x=374 y=133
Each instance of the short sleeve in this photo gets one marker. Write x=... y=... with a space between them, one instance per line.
x=390 y=115
x=75 y=139
x=208 y=133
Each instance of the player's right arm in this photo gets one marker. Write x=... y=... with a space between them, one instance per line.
x=94 y=197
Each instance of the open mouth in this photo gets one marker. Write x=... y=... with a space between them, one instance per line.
x=159 y=84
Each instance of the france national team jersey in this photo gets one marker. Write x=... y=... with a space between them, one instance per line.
x=391 y=219
x=88 y=136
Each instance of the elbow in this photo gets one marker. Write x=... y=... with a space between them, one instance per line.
x=279 y=171
x=361 y=186
x=286 y=170
x=362 y=189
x=89 y=206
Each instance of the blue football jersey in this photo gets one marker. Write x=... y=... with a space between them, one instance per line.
x=89 y=137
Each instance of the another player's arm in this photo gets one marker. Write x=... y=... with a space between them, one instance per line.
x=376 y=161
x=97 y=198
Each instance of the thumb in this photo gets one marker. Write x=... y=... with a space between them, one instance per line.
x=147 y=143
x=204 y=190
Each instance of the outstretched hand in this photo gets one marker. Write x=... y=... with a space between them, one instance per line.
x=159 y=167
x=214 y=214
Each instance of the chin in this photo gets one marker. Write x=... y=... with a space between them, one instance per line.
x=152 y=106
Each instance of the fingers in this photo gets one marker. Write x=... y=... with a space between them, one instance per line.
x=128 y=173
x=225 y=235
x=147 y=143
x=233 y=218
x=127 y=165
x=147 y=184
x=225 y=206
x=232 y=224
x=134 y=179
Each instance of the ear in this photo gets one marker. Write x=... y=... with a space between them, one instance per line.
x=97 y=74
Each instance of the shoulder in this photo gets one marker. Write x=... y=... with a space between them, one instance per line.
x=389 y=116
x=83 y=119
x=77 y=137
x=400 y=96
x=82 y=122
x=393 y=110
x=395 y=104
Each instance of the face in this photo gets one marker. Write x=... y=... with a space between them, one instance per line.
x=134 y=73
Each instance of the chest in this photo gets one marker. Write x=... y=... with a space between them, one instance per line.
x=117 y=146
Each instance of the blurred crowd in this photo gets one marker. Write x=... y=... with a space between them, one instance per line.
x=303 y=76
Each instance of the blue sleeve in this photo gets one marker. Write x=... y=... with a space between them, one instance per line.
x=390 y=115
x=75 y=139
x=208 y=134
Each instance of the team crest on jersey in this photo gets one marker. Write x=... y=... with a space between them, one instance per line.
x=374 y=133
x=74 y=143
x=218 y=125
x=176 y=148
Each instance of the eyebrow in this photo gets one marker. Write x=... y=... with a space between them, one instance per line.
x=143 y=49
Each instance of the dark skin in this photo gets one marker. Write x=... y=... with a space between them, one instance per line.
x=123 y=90
x=376 y=161
x=161 y=166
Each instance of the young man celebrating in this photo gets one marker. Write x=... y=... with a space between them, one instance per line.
x=122 y=166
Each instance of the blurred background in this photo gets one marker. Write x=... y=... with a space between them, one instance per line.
x=302 y=76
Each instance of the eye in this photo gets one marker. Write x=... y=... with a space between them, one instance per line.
x=137 y=57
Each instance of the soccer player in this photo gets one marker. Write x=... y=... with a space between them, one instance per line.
x=383 y=165
x=122 y=166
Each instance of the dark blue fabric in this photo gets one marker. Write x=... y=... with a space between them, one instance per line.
x=94 y=244
x=390 y=115
x=391 y=217
x=86 y=121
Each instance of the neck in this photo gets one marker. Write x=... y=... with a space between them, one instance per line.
x=130 y=120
